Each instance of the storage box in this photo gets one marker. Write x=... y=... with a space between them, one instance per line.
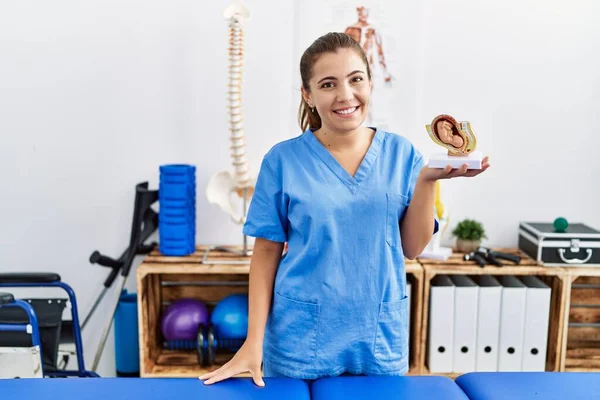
x=578 y=246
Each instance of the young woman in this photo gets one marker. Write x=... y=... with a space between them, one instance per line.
x=351 y=202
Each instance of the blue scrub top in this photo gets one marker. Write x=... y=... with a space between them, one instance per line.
x=339 y=302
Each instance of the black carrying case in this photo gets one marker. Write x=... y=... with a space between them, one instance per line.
x=578 y=246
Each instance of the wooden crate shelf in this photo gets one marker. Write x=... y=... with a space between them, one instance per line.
x=455 y=265
x=581 y=330
x=162 y=279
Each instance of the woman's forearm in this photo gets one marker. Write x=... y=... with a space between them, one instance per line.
x=263 y=267
x=418 y=222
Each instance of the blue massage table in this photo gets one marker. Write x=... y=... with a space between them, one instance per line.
x=470 y=386
x=347 y=388
x=530 y=385
x=152 y=389
x=386 y=387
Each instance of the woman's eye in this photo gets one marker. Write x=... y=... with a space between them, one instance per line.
x=357 y=79
x=327 y=85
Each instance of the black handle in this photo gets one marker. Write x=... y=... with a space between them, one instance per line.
x=493 y=260
x=97 y=258
x=477 y=257
x=111 y=277
x=509 y=257
x=147 y=248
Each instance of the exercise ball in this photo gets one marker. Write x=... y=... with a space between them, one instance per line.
x=230 y=317
x=181 y=319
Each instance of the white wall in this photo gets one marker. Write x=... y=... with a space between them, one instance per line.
x=95 y=96
x=526 y=74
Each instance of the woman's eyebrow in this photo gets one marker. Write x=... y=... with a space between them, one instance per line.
x=334 y=78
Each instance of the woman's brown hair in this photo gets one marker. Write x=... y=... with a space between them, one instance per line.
x=329 y=43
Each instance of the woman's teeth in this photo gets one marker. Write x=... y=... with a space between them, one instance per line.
x=346 y=111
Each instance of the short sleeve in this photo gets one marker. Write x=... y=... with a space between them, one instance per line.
x=267 y=212
x=418 y=165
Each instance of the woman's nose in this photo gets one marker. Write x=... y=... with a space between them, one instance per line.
x=344 y=93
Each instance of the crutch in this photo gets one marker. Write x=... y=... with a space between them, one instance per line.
x=144 y=224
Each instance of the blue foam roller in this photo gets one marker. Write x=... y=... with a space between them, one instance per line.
x=177 y=169
x=177 y=179
x=177 y=204
x=189 y=201
x=175 y=251
x=173 y=192
x=176 y=235
x=182 y=243
x=180 y=224
x=182 y=216
x=165 y=218
x=177 y=212
x=187 y=187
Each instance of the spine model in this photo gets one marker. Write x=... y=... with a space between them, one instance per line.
x=236 y=121
x=230 y=189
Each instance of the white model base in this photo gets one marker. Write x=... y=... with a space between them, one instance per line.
x=473 y=160
x=441 y=253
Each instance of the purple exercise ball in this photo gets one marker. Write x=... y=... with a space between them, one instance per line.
x=181 y=319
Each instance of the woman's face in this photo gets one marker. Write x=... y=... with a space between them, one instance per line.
x=340 y=90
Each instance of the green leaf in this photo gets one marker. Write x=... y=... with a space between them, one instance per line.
x=469 y=229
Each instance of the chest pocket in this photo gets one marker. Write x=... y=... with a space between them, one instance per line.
x=396 y=206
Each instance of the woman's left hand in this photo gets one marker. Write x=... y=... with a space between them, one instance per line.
x=433 y=174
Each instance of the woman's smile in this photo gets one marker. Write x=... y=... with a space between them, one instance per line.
x=347 y=112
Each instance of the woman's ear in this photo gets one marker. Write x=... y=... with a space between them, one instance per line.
x=306 y=96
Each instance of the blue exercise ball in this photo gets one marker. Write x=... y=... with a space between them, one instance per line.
x=230 y=317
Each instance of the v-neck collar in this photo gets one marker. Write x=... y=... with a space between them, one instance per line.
x=334 y=165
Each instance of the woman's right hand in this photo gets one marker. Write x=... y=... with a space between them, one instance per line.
x=247 y=359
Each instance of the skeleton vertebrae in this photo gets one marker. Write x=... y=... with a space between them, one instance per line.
x=226 y=189
x=236 y=122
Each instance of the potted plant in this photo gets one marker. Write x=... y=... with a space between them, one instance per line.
x=468 y=234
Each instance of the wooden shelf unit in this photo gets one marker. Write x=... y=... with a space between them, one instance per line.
x=161 y=279
x=581 y=328
x=575 y=300
x=455 y=265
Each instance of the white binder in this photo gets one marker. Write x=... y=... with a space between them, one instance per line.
x=466 y=293
x=537 y=315
x=441 y=324
x=512 y=320
x=488 y=323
